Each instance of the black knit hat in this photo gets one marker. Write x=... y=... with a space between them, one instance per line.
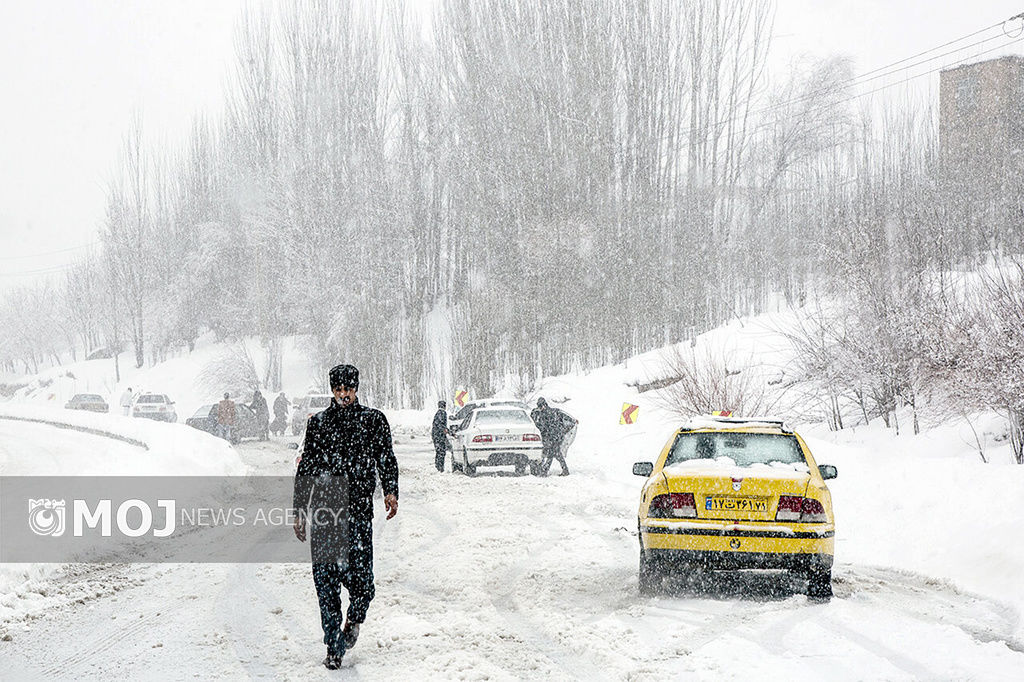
x=344 y=375
x=440 y=403
x=541 y=402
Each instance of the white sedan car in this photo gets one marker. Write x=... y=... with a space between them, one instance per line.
x=497 y=436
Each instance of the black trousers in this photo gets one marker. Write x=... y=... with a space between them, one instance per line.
x=440 y=448
x=353 y=570
x=552 y=451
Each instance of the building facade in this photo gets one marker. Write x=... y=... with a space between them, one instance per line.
x=981 y=144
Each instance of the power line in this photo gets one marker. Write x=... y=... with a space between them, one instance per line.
x=904 y=81
x=50 y=253
x=50 y=270
x=939 y=47
x=829 y=105
x=859 y=80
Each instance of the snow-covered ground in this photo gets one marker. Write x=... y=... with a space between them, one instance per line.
x=506 y=577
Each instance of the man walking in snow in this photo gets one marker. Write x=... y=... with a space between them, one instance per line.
x=439 y=434
x=346 y=447
x=126 y=401
x=554 y=425
x=226 y=414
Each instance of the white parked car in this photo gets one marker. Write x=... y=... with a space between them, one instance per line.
x=497 y=436
x=154 y=406
x=306 y=407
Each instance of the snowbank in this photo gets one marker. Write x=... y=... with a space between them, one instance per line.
x=133 y=447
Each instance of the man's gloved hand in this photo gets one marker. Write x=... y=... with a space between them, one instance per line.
x=300 y=527
x=391 y=504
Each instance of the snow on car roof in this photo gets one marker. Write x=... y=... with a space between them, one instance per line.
x=712 y=422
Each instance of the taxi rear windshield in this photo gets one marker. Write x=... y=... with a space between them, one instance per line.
x=742 y=448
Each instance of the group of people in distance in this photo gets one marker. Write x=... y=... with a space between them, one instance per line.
x=557 y=432
x=227 y=416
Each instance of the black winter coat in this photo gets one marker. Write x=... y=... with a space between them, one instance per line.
x=259 y=406
x=354 y=442
x=552 y=423
x=440 y=426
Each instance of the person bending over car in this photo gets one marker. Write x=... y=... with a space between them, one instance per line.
x=554 y=426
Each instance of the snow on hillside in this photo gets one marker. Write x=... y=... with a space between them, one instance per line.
x=132 y=447
x=178 y=377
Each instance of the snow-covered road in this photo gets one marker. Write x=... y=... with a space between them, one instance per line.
x=505 y=577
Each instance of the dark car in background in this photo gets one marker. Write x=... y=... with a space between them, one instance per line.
x=246 y=424
x=87 y=401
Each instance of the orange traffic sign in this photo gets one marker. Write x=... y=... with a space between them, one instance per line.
x=629 y=413
x=460 y=397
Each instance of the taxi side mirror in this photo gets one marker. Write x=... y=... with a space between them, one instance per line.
x=827 y=471
x=643 y=468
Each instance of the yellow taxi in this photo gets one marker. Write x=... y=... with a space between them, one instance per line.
x=731 y=493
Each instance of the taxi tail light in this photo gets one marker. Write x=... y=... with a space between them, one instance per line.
x=800 y=509
x=813 y=511
x=673 y=506
x=485 y=438
x=790 y=507
x=531 y=437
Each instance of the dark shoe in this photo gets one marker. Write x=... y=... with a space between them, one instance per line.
x=564 y=473
x=349 y=634
x=332 y=662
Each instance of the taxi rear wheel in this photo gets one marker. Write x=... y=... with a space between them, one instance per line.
x=649 y=575
x=819 y=584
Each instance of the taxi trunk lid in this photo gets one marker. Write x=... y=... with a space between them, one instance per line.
x=738 y=497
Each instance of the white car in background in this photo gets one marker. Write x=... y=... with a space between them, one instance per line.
x=154 y=406
x=306 y=407
x=497 y=436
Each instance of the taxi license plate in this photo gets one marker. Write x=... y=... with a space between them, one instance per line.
x=743 y=504
x=505 y=438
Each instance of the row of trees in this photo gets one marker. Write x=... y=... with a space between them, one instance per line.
x=502 y=189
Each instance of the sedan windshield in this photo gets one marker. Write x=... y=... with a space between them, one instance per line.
x=489 y=417
x=204 y=411
x=87 y=398
x=742 y=448
x=151 y=398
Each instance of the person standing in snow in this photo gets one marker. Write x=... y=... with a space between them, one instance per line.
x=226 y=414
x=259 y=408
x=281 y=406
x=126 y=401
x=439 y=434
x=554 y=425
x=345 y=448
